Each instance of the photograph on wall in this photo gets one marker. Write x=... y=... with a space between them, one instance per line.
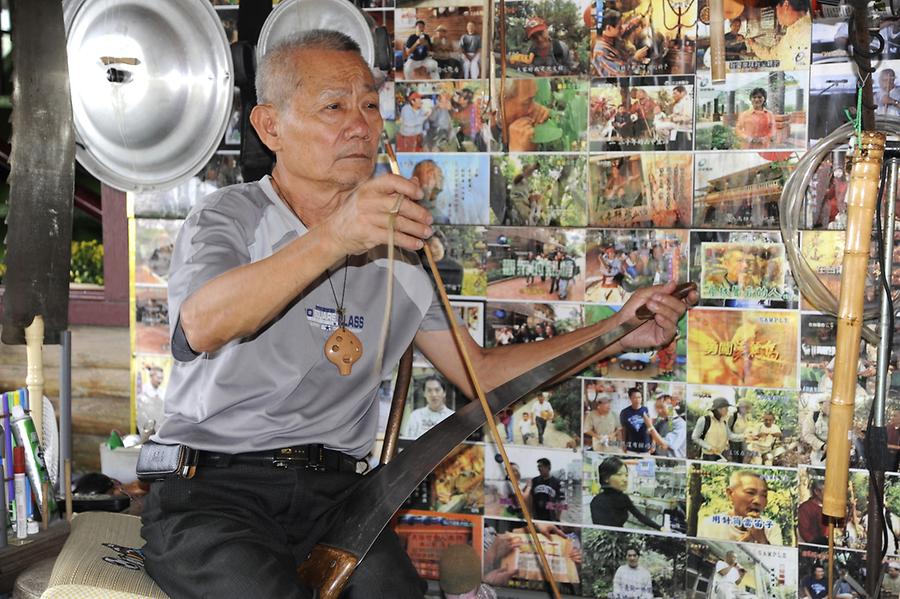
x=618 y=262
x=742 y=269
x=431 y=399
x=743 y=425
x=538 y=190
x=650 y=189
x=549 y=479
x=824 y=251
x=667 y=363
x=832 y=90
x=853 y=533
x=175 y=202
x=521 y=322
x=455 y=486
x=831 y=35
x=742 y=503
x=544 y=115
x=764 y=36
x=455 y=185
x=749 y=348
x=546 y=39
x=848 y=574
x=511 y=561
x=628 y=417
x=547 y=418
x=818 y=338
x=471 y=313
x=814 y=415
x=459 y=255
x=739 y=189
x=151 y=321
x=892 y=507
x=537 y=264
x=154 y=240
x=825 y=204
x=151 y=375
x=753 y=111
x=443 y=42
x=641 y=114
x=382 y=18
x=441 y=116
x=644 y=37
x=723 y=569
x=635 y=492
x=426 y=535
x=629 y=564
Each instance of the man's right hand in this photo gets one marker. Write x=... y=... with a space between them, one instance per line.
x=361 y=222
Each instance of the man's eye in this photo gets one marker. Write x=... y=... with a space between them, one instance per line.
x=333 y=106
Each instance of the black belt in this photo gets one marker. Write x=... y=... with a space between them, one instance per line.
x=310 y=457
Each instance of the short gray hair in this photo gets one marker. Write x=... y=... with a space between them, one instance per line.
x=277 y=75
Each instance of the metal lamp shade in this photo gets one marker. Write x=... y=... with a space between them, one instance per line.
x=151 y=88
x=291 y=17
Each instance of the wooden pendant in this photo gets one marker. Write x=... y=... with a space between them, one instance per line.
x=343 y=348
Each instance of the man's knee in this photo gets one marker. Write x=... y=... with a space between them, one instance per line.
x=386 y=573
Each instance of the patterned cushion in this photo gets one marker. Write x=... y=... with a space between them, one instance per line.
x=102 y=559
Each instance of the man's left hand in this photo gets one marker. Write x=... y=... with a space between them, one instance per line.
x=667 y=311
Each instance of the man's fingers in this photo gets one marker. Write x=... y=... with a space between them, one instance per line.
x=408 y=209
x=390 y=184
x=412 y=228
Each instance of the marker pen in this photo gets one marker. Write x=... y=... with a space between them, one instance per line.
x=19 y=481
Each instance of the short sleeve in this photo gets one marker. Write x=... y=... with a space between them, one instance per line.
x=209 y=244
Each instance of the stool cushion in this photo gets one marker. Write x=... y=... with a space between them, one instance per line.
x=33 y=580
x=102 y=559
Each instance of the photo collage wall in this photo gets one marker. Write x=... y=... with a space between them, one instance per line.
x=614 y=163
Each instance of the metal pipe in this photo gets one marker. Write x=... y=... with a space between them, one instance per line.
x=887 y=264
x=877 y=433
x=65 y=400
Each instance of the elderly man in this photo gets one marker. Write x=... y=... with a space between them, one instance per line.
x=522 y=113
x=727 y=576
x=263 y=274
x=748 y=493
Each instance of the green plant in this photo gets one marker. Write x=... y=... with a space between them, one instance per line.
x=87 y=262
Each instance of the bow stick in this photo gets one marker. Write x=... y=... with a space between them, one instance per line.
x=479 y=392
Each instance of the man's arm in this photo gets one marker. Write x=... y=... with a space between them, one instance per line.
x=222 y=309
x=497 y=365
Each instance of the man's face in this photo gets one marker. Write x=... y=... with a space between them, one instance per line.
x=768 y=420
x=662 y=410
x=520 y=104
x=677 y=94
x=735 y=26
x=156 y=377
x=749 y=497
x=470 y=28
x=541 y=39
x=434 y=395
x=632 y=558
x=886 y=80
x=602 y=408
x=544 y=470
x=730 y=558
x=416 y=102
x=329 y=131
x=635 y=399
x=820 y=573
x=432 y=182
x=420 y=28
x=893 y=572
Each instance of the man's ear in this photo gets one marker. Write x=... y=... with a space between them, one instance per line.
x=264 y=118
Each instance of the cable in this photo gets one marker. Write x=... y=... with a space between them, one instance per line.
x=790 y=207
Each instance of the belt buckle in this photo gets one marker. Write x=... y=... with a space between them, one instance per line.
x=288 y=456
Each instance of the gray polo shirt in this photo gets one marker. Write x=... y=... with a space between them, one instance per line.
x=276 y=388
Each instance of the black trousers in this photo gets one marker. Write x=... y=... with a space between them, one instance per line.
x=242 y=531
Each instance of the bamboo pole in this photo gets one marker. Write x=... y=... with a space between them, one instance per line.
x=862 y=196
x=34 y=377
